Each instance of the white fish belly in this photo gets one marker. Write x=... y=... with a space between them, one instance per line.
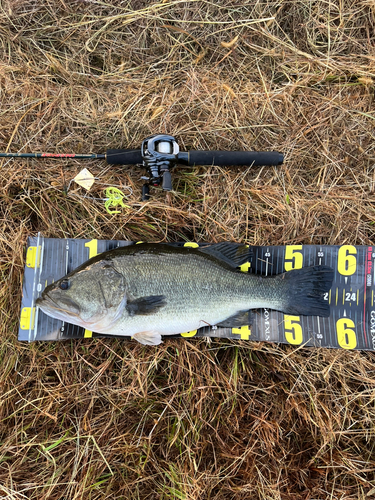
x=174 y=321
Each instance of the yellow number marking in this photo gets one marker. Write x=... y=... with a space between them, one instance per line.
x=31 y=256
x=191 y=244
x=27 y=318
x=245 y=267
x=189 y=334
x=293 y=257
x=346 y=260
x=293 y=329
x=93 y=250
x=243 y=331
x=346 y=336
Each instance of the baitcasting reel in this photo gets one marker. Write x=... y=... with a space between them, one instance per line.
x=159 y=153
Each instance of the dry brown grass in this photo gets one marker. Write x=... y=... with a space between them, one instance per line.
x=191 y=419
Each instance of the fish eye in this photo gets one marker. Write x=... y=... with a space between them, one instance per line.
x=64 y=285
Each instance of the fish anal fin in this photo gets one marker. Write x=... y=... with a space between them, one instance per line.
x=150 y=337
x=145 y=305
x=241 y=318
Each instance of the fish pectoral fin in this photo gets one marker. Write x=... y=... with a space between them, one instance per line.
x=234 y=254
x=145 y=305
x=241 y=318
x=148 y=338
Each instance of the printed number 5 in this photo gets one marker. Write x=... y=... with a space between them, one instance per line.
x=293 y=329
x=293 y=257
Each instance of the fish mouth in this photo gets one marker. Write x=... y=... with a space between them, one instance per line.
x=64 y=309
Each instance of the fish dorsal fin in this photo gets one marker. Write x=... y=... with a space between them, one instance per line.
x=145 y=305
x=233 y=254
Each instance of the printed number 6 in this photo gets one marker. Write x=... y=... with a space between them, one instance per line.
x=346 y=337
x=293 y=257
x=346 y=260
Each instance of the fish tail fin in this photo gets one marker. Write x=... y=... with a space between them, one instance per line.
x=305 y=291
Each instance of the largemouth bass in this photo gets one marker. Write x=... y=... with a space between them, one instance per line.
x=149 y=290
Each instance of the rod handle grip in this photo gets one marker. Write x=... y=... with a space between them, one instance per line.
x=123 y=156
x=222 y=158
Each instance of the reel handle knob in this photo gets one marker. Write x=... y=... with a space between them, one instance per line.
x=167 y=181
x=145 y=192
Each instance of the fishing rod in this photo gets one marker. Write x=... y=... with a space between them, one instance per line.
x=159 y=153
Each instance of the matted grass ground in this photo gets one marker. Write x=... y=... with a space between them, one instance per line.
x=191 y=419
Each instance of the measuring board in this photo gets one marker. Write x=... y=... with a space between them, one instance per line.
x=351 y=324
